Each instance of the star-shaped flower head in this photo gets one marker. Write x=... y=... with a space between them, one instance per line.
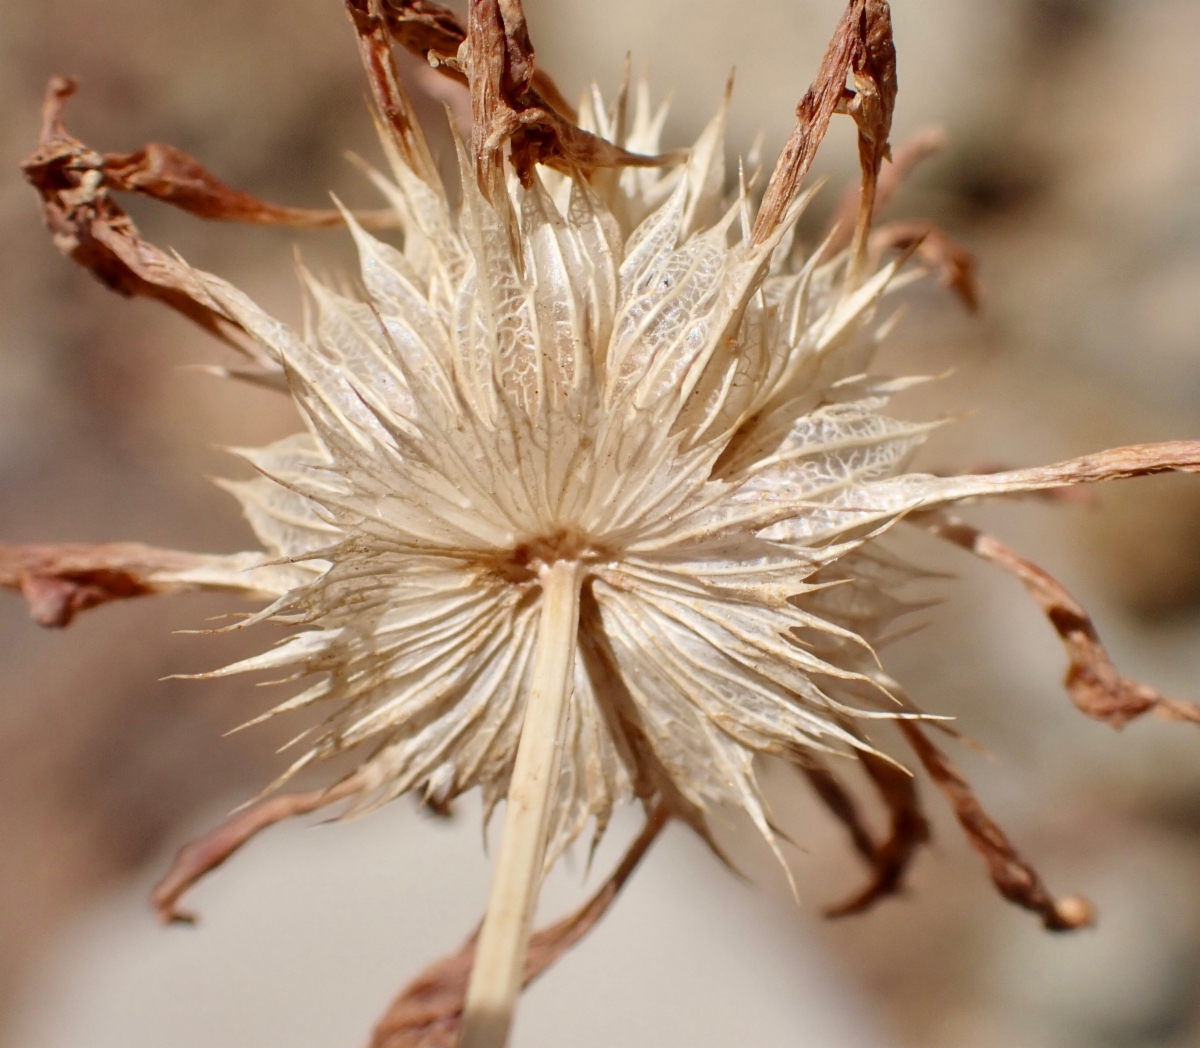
x=588 y=501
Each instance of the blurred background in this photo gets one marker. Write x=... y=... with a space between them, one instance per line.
x=1073 y=157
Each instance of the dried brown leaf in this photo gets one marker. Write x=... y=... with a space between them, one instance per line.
x=372 y=28
x=874 y=70
x=1092 y=680
x=177 y=178
x=823 y=98
x=206 y=853
x=60 y=581
x=889 y=860
x=510 y=112
x=908 y=830
x=955 y=265
x=428 y=1012
x=1015 y=879
x=423 y=27
x=841 y=804
x=905 y=157
x=76 y=184
x=90 y=228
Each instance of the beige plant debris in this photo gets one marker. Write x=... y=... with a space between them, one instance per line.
x=590 y=503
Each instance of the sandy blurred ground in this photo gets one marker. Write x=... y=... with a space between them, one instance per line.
x=1074 y=157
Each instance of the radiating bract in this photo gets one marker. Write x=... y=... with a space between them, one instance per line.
x=639 y=387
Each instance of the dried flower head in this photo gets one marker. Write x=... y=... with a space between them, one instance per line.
x=588 y=501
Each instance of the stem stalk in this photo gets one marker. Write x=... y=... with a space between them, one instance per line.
x=504 y=937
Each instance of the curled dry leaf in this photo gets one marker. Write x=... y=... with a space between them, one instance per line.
x=874 y=68
x=428 y=1012
x=76 y=184
x=372 y=28
x=955 y=266
x=434 y=33
x=90 y=228
x=59 y=581
x=905 y=157
x=206 y=853
x=827 y=93
x=511 y=116
x=1092 y=680
x=1015 y=879
x=908 y=830
x=165 y=173
x=425 y=28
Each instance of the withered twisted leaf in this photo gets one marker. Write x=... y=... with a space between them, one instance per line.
x=90 y=228
x=841 y=804
x=1092 y=680
x=428 y=1012
x=905 y=157
x=955 y=265
x=874 y=69
x=59 y=581
x=890 y=859
x=827 y=93
x=177 y=178
x=434 y=33
x=371 y=26
x=509 y=111
x=76 y=184
x=1013 y=877
x=203 y=855
x=423 y=27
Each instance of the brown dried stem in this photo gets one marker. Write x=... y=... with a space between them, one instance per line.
x=59 y=581
x=890 y=859
x=1015 y=879
x=1092 y=681
x=428 y=1012
x=203 y=855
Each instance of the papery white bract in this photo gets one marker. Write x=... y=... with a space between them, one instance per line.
x=643 y=389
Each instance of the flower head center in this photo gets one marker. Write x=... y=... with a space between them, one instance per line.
x=524 y=562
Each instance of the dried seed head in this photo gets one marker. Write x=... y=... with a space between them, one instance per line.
x=601 y=358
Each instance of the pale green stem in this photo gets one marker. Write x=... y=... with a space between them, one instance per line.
x=504 y=937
